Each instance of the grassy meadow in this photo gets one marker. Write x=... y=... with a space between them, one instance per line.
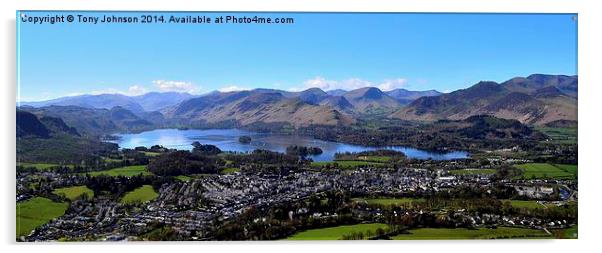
x=473 y=172
x=530 y=204
x=546 y=170
x=560 y=135
x=464 y=233
x=127 y=171
x=335 y=233
x=230 y=170
x=74 y=192
x=389 y=201
x=140 y=195
x=42 y=166
x=35 y=212
x=346 y=164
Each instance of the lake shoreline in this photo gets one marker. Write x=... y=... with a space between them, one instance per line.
x=227 y=140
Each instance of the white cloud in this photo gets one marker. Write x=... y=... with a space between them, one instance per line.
x=177 y=86
x=350 y=84
x=320 y=82
x=354 y=83
x=391 y=84
x=324 y=84
x=107 y=91
x=133 y=90
x=231 y=88
x=136 y=90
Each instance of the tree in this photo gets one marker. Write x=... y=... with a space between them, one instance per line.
x=244 y=139
x=205 y=149
x=303 y=151
x=183 y=163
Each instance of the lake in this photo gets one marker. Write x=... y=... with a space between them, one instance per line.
x=227 y=140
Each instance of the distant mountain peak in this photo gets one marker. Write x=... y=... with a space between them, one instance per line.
x=365 y=93
x=537 y=99
x=336 y=92
x=315 y=89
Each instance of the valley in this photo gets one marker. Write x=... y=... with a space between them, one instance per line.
x=492 y=161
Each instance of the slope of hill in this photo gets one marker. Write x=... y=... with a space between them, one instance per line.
x=155 y=101
x=371 y=100
x=29 y=125
x=105 y=101
x=49 y=139
x=566 y=84
x=480 y=131
x=152 y=101
x=339 y=103
x=404 y=96
x=94 y=122
x=535 y=100
x=313 y=96
x=248 y=107
x=337 y=92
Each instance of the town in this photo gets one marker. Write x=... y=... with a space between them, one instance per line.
x=449 y=194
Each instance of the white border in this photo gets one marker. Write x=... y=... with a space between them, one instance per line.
x=590 y=80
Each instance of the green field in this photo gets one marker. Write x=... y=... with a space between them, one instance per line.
x=127 y=171
x=346 y=164
x=388 y=201
x=545 y=170
x=42 y=166
x=473 y=172
x=140 y=195
x=531 y=204
x=36 y=212
x=74 y=192
x=571 y=233
x=374 y=158
x=561 y=135
x=570 y=168
x=184 y=178
x=463 y=233
x=230 y=170
x=335 y=233
x=111 y=160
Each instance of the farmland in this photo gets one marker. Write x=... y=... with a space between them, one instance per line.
x=335 y=233
x=464 y=233
x=374 y=158
x=111 y=160
x=140 y=195
x=530 y=204
x=74 y=192
x=546 y=170
x=42 y=166
x=346 y=164
x=560 y=135
x=389 y=201
x=570 y=168
x=571 y=233
x=230 y=170
x=127 y=171
x=184 y=178
x=472 y=172
x=36 y=212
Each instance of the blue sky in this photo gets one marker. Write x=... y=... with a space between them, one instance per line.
x=413 y=51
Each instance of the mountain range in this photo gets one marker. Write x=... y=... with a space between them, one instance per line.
x=537 y=100
x=309 y=107
x=152 y=101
